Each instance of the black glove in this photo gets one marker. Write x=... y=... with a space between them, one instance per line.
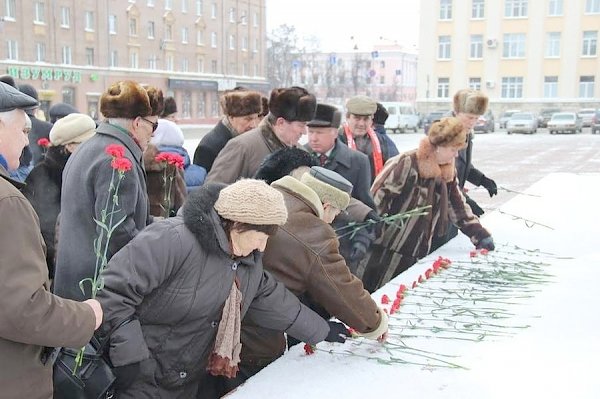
x=377 y=227
x=125 y=375
x=477 y=211
x=489 y=185
x=338 y=332
x=486 y=243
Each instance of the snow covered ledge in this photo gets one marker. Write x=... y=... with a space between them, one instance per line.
x=520 y=322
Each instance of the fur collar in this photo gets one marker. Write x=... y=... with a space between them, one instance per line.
x=300 y=190
x=428 y=166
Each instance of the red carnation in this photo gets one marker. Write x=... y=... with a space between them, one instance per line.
x=484 y=251
x=402 y=288
x=385 y=299
x=176 y=160
x=162 y=157
x=428 y=273
x=420 y=279
x=121 y=164
x=473 y=254
x=353 y=333
x=115 y=150
x=414 y=284
x=309 y=349
x=43 y=142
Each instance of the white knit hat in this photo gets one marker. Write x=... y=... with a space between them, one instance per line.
x=73 y=128
x=167 y=134
x=251 y=201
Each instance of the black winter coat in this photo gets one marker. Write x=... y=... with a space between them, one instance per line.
x=211 y=144
x=39 y=129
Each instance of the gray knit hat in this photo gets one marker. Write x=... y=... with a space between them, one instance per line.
x=330 y=186
x=252 y=201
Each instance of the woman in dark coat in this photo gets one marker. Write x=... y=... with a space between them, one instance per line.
x=181 y=287
x=43 y=184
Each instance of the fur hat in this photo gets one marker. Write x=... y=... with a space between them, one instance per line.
x=241 y=102
x=470 y=102
x=326 y=116
x=330 y=186
x=168 y=134
x=361 y=105
x=73 y=128
x=128 y=99
x=253 y=202
x=282 y=162
x=170 y=107
x=448 y=132
x=292 y=104
x=265 y=106
x=381 y=115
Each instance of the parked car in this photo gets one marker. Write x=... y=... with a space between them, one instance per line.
x=402 y=117
x=506 y=116
x=564 y=122
x=485 y=123
x=432 y=117
x=586 y=115
x=521 y=122
x=545 y=116
x=596 y=122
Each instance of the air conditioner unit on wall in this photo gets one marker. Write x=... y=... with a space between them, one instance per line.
x=491 y=43
x=490 y=84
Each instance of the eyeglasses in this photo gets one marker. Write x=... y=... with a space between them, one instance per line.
x=154 y=124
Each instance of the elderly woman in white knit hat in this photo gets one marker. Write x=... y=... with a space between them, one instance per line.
x=179 y=290
x=43 y=184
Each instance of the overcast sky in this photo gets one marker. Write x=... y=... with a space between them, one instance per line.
x=335 y=21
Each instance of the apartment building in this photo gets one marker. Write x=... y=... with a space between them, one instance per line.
x=527 y=54
x=71 y=50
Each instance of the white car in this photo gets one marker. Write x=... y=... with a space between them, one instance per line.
x=522 y=122
x=586 y=115
x=564 y=122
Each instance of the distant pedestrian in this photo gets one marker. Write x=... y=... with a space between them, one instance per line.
x=60 y=110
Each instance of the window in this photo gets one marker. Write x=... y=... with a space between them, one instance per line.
x=151 y=34
x=232 y=14
x=586 y=86
x=476 y=50
x=382 y=79
x=112 y=24
x=512 y=87
x=592 y=6
x=515 y=8
x=215 y=107
x=68 y=95
x=256 y=45
x=185 y=65
x=213 y=39
x=65 y=17
x=168 y=32
x=231 y=42
x=150 y=3
x=200 y=65
x=186 y=104
x=200 y=37
x=553 y=44
x=133 y=60
x=444 y=47
x=89 y=56
x=256 y=72
x=89 y=21
x=184 y=35
x=590 y=39
x=67 y=56
x=213 y=11
x=555 y=7
x=244 y=18
x=170 y=62
x=244 y=43
x=550 y=86
x=445 y=9
x=40 y=12
x=443 y=88
x=168 y=4
x=10 y=9
x=255 y=19
x=475 y=83
x=478 y=9
x=12 y=49
x=184 y=6
x=152 y=62
x=514 y=45
x=213 y=66
x=114 y=58
x=198 y=7
x=132 y=27
x=40 y=52
x=201 y=105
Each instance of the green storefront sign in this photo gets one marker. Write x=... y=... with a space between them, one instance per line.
x=36 y=73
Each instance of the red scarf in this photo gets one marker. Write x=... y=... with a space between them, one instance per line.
x=375 y=146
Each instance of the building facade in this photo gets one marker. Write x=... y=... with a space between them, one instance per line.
x=72 y=50
x=525 y=54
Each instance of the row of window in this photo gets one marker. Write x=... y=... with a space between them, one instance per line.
x=515 y=8
x=512 y=86
x=513 y=45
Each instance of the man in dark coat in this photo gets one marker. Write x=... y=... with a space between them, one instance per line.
x=132 y=114
x=379 y=117
x=39 y=129
x=241 y=108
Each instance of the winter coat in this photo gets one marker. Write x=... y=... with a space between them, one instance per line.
x=304 y=255
x=155 y=172
x=30 y=316
x=211 y=145
x=465 y=171
x=86 y=180
x=243 y=155
x=392 y=149
x=39 y=129
x=174 y=278
x=364 y=145
x=193 y=175
x=42 y=189
x=408 y=181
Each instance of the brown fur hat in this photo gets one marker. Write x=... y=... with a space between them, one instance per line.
x=470 y=102
x=128 y=99
x=292 y=104
x=265 y=107
x=448 y=132
x=241 y=102
x=169 y=108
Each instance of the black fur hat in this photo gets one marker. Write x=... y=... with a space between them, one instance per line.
x=381 y=115
x=282 y=162
x=292 y=104
x=326 y=116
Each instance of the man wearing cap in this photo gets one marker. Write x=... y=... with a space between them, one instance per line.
x=131 y=113
x=241 y=108
x=359 y=135
x=304 y=256
x=31 y=317
x=289 y=111
x=44 y=183
x=60 y=110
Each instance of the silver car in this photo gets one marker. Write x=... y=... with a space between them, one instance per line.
x=522 y=122
x=564 y=122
